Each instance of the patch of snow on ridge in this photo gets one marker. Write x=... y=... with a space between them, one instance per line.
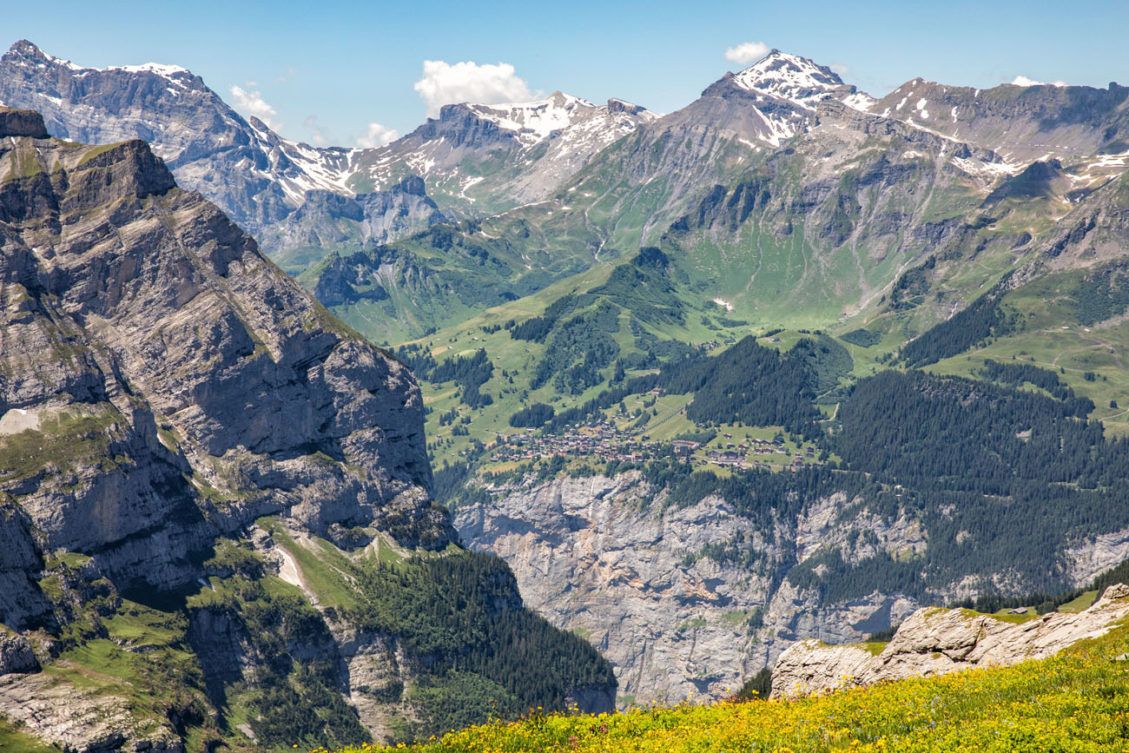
x=537 y=120
x=160 y=69
x=989 y=169
x=860 y=101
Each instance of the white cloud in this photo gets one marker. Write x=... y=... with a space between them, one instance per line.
x=252 y=103
x=746 y=52
x=1024 y=81
x=377 y=135
x=445 y=83
x=839 y=68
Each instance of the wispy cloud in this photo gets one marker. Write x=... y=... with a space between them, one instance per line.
x=377 y=135
x=446 y=83
x=319 y=136
x=251 y=102
x=746 y=52
x=1024 y=81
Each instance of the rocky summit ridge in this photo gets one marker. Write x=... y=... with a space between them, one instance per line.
x=935 y=641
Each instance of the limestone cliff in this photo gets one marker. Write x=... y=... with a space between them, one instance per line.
x=141 y=324
x=686 y=601
x=163 y=387
x=936 y=641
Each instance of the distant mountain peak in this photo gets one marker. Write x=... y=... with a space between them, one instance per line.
x=537 y=120
x=799 y=80
x=32 y=53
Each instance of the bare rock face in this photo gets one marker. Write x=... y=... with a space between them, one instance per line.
x=591 y=556
x=653 y=586
x=162 y=385
x=21 y=123
x=80 y=719
x=938 y=641
x=16 y=655
x=141 y=321
x=20 y=599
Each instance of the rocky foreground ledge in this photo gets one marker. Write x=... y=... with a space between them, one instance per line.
x=935 y=641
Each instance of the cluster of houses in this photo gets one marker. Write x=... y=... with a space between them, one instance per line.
x=602 y=439
x=736 y=454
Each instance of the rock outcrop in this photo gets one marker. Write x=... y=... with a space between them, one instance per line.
x=15 y=123
x=81 y=719
x=142 y=323
x=934 y=641
x=16 y=655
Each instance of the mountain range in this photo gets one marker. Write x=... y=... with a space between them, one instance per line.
x=790 y=362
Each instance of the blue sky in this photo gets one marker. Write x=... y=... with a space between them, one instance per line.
x=329 y=69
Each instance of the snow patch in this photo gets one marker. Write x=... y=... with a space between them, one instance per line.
x=160 y=69
x=537 y=120
x=860 y=101
x=987 y=169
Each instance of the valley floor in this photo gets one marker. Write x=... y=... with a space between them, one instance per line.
x=1076 y=701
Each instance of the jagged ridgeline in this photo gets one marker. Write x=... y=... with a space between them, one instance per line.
x=215 y=519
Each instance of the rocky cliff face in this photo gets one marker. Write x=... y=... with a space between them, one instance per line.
x=143 y=322
x=689 y=599
x=163 y=386
x=938 y=641
x=648 y=583
x=1023 y=123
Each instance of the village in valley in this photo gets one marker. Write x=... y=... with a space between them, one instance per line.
x=605 y=440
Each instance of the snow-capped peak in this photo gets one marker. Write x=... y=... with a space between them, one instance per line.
x=28 y=53
x=535 y=121
x=799 y=80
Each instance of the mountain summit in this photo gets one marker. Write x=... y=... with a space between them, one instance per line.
x=538 y=120
x=800 y=81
